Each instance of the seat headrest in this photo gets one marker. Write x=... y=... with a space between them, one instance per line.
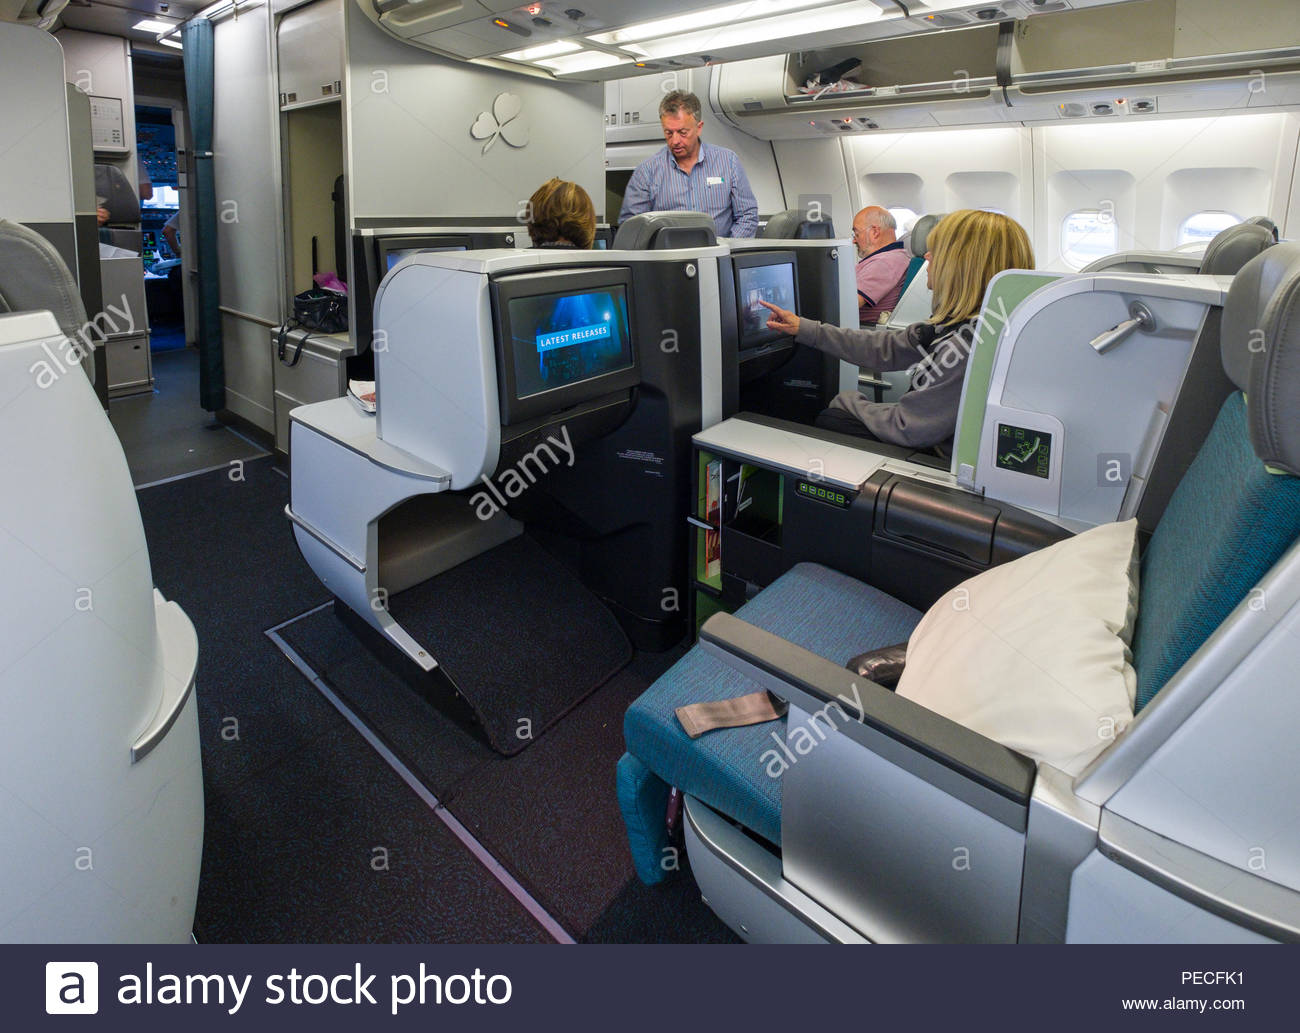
x=123 y=197
x=916 y=240
x=794 y=224
x=1260 y=346
x=34 y=277
x=662 y=231
x=1233 y=248
x=1266 y=222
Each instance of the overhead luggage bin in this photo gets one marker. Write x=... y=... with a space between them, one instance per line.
x=1138 y=59
x=611 y=39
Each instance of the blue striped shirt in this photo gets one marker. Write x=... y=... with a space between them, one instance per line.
x=716 y=184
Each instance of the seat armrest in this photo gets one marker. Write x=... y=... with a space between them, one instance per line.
x=810 y=681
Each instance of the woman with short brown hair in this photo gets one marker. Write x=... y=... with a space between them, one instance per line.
x=560 y=214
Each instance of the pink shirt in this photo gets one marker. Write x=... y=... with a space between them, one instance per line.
x=880 y=281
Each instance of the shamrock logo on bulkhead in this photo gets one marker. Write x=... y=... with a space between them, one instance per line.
x=502 y=121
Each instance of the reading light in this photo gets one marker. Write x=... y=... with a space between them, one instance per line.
x=518 y=30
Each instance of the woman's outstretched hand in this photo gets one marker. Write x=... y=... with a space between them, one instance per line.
x=782 y=319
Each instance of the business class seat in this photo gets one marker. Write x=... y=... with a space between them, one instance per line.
x=914 y=304
x=35 y=277
x=1224 y=255
x=102 y=793
x=795 y=224
x=1232 y=518
x=665 y=231
x=918 y=242
x=122 y=199
x=1232 y=248
x=1267 y=223
x=1206 y=386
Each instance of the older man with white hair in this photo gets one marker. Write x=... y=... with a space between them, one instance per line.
x=882 y=263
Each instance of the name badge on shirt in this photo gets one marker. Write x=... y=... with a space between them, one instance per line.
x=714 y=181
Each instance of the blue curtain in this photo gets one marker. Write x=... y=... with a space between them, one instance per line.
x=196 y=36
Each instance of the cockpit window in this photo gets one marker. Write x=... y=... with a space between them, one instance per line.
x=1204 y=226
x=1086 y=235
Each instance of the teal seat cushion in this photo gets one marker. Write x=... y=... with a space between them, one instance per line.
x=731 y=769
x=913 y=267
x=1205 y=556
x=643 y=801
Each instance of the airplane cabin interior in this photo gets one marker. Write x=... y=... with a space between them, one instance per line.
x=380 y=573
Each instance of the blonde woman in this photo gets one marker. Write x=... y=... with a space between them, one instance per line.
x=967 y=249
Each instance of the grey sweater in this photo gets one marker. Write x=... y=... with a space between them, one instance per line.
x=926 y=416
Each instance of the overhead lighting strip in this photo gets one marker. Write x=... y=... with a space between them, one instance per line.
x=153 y=25
x=731 y=25
x=660 y=27
x=705 y=40
x=544 y=50
x=585 y=61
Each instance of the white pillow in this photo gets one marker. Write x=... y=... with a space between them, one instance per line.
x=1035 y=653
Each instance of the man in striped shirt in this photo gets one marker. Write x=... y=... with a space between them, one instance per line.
x=688 y=174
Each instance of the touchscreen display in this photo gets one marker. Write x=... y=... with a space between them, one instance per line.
x=771 y=283
x=561 y=339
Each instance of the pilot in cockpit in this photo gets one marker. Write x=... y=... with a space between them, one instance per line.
x=967 y=249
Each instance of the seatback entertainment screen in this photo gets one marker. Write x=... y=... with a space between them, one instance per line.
x=757 y=283
x=563 y=339
x=395 y=256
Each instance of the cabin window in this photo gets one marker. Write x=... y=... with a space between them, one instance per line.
x=1203 y=227
x=1086 y=235
x=905 y=217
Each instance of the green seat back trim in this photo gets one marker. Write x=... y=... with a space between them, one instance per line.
x=1006 y=291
